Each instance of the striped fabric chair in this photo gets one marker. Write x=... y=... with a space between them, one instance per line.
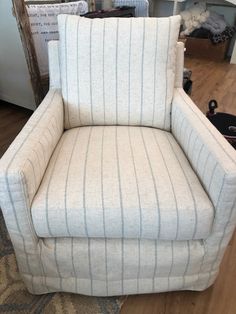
x=118 y=184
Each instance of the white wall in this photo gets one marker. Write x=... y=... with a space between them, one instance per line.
x=15 y=85
x=163 y=8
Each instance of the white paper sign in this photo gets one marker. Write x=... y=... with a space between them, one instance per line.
x=43 y=21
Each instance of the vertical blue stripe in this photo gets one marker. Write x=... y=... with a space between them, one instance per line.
x=23 y=185
x=155 y=267
x=171 y=182
x=137 y=184
x=66 y=181
x=171 y=264
x=49 y=183
x=154 y=184
x=44 y=277
x=78 y=80
x=140 y=208
x=189 y=186
x=116 y=65
x=73 y=264
x=142 y=71
x=90 y=265
x=187 y=265
x=155 y=76
x=212 y=175
x=84 y=184
x=129 y=81
x=122 y=212
x=103 y=207
x=166 y=80
x=66 y=101
x=103 y=70
x=90 y=70
x=199 y=156
x=57 y=265
x=205 y=166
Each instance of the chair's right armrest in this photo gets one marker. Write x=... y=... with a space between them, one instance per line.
x=23 y=165
x=212 y=158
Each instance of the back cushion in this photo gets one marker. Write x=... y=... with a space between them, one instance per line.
x=117 y=71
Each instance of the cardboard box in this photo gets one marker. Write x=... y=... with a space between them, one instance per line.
x=204 y=48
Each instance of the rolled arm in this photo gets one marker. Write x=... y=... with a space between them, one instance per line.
x=23 y=165
x=212 y=158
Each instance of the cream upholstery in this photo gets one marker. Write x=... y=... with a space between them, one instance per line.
x=128 y=78
x=124 y=208
x=121 y=182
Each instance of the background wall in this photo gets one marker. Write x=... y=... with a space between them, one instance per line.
x=165 y=7
x=15 y=85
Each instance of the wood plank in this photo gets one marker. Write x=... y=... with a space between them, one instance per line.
x=23 y=24
x=213 y=80
x=12 y=119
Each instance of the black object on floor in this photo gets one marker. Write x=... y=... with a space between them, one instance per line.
x=187 y=82
x=224 y=122
x=227 y=34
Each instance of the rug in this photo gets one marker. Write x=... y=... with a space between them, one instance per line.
x=15 y=299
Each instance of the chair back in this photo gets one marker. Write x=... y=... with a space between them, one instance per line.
x=115 y=71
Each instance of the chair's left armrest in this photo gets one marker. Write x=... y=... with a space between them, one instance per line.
x=211 y=156
x=23 y=165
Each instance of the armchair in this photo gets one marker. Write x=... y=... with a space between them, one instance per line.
x=118 y=184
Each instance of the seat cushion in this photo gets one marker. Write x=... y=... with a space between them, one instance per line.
x=118 y=71
x=121 y=182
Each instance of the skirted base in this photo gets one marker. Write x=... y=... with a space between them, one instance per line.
x=41 y=285
x=111 y=267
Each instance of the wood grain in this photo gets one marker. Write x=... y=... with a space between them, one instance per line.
x=213 y=80
x=210 y=80
x=23 y=24
x=12 y=119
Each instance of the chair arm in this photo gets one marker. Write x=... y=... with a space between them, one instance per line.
x=23 y=165
x=211 y=156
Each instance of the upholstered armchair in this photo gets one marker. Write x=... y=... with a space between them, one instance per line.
x=118 y=184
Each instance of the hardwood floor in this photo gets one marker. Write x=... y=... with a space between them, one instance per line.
x=12 y=119
x=213 y=80
x=210 y=80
